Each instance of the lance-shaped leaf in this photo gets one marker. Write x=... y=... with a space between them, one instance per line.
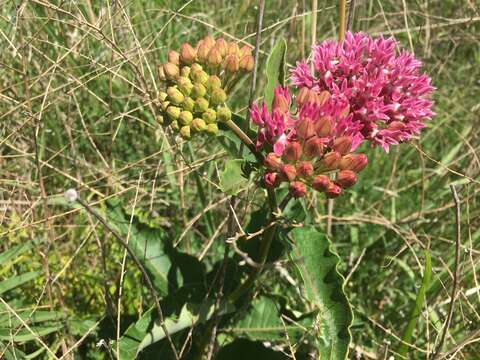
x=263 y=321
x=231 y=178
x=275 y=70
x=317 y=266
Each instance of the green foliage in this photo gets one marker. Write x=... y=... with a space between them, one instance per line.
x=275 y=70
x=232 y=179
x=317 y=265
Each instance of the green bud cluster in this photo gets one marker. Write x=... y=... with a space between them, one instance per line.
x=196 y=82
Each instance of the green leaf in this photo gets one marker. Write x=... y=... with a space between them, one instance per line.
x=263 y=322
x=231 y=178
x=317 y=265
x=18 y=280
x=147 y=243
x=25 y=334
x=13 y=253
x=147 y=331
x=275 y=70
x=417 y=308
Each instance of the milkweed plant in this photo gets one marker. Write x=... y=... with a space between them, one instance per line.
x=305 y=139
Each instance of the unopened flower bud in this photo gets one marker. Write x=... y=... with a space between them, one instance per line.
x=218 y=96
x=305 y=128
x=272 y=161
x=303 y=96
x=174 y=125
x=245 y=50
x=232 y=48
x=159 y=119
x=184 y=85
x=173 y=112
x=174 y=57
x=298 y=189
x=212 y=129
x=360 y=162
x=162 y=96
x=198 y=91
x=188 y=104
x=185 y=132
x=324 y=126
x=214 y=58
x=185 y=71
x=201 y=105
x=224 y=114
x=213 y=82
x=164 y=105
x=289 y=172
x=187 y=54
x=313 y=147
x=293 y=151
x=196 y=67
x=271 y=180
x=333 y=191
x=209 y=41
x=185 y=117
x=170 y=70
x=342 y=144
x=175 y=96
x=304 y=169
x=321 y=183
x=346 y=178
x=247 y=63
x=221 y=45
x=199 y=76
x=202 y=52
x=231 y=63
x=198 y=125
x=280 y=103
x=331 y=160
x=209 y=116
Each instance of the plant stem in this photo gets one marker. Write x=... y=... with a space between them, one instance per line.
x=245 y=139
x=341 y=19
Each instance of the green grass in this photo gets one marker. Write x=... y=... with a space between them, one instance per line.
x=74 y=113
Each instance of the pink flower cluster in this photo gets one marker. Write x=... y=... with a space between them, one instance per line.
x=311 y=147
x=389 y=98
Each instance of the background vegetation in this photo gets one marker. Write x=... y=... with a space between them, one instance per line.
x=74 y=114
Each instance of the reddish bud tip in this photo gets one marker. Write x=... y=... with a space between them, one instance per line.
x=214 y=58
x=321 y=183
x=231 y=63
x=221 y=45
x=342 y=144
x=289 y=172
x=305 y=128
x=333 y=191
x=271 y=180
x=304 y=168
x=298 y=189
x=272 y=161
x=346 y=178
x=360 y=162
x=293 y=151
x=331 y=160
x=324 y=126
x=187 y=54
x=313 y=147
x=247 y=63
x=174 y=57
x=202 y=52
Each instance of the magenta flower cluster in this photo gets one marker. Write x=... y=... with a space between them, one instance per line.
x=388 y=95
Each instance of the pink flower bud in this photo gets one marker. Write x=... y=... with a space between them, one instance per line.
x=272 y=161
x=304 y=168
x=305 y=128
x=298 y=189
x=331 y=160
x=214 y=58
x=321 y=183
x=324 y=126
x=293 y=151
x=313 y=147
x=202 y=52
x=174 y=57
x=271 y=180
x=288 y=172
x=342 y=144
x=231 y=63
x=333 y=191
x=346 y=178
x=221 y=45
x=360 y=162
x=247 y=63
x=187 y=54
